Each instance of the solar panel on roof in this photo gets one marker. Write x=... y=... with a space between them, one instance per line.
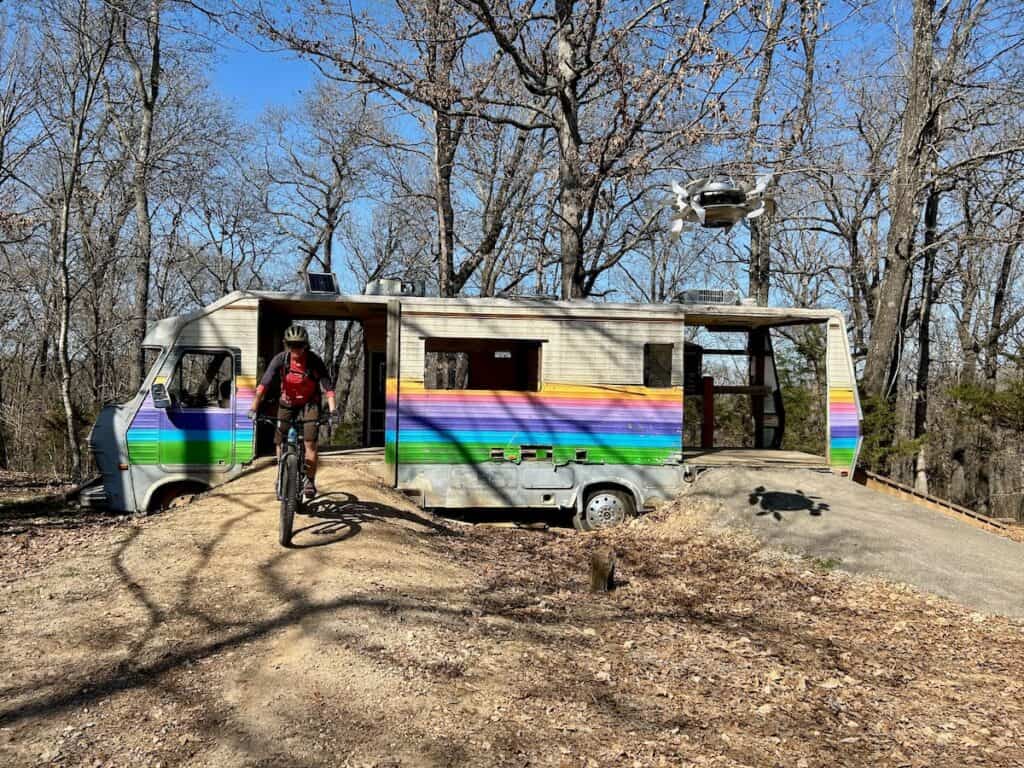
x=321 y=282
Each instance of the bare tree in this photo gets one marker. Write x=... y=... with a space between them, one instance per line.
x=931 y=75
x=788 y=133
x=78 y=40
x=608 y=79
x=142 y=52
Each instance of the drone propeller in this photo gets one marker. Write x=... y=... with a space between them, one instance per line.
x=761 y=184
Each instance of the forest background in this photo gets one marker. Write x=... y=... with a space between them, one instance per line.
x=156 y=154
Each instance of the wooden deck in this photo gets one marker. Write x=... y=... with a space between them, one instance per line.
x=752 y=457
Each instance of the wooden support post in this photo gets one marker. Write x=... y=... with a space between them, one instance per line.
x=707 y=423
x=757 y=339
x=393 y=370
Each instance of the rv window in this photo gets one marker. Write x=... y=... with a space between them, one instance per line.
x=481 y=364
x=658 y=365
x=202 y=380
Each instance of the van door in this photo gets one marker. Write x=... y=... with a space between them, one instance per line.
x=198 y=430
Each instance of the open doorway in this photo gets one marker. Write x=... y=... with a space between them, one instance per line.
x=755 y=395
x=358 y=364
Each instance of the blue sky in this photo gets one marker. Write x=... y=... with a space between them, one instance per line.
x=253 y=79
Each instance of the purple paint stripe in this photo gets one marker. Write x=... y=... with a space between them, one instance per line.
x=843 y=421
x=540 y=411
x=476 y=423
x=842 y=431
x=147 y=419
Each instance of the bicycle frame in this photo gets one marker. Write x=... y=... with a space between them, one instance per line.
x=292 y=443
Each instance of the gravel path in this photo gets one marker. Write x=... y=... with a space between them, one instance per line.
x=867 y=532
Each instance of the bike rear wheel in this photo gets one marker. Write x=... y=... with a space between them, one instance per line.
x=289 y=496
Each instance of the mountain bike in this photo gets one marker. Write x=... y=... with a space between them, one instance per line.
x=291 y=471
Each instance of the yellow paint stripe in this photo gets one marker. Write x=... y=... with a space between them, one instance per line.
x=582 y=391
x=841 y=396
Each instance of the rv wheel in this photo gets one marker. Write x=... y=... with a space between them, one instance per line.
x=604 y=508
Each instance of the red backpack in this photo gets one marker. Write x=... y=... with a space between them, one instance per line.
x=298 y=384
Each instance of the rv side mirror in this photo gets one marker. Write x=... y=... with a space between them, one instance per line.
x=161 y=399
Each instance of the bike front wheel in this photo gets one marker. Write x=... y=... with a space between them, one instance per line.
x=289 y=496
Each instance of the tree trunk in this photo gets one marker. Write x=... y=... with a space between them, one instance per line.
x=988 y=435
x=998 y=318
x=760 y=259
x=444 y=160
x=760 y=241
x=63 y=353
x=3 y=432
x=918 y=131
x=441 y=52
x=570 y=170
x=330 y=224
x=924 y=326
x=148 y=87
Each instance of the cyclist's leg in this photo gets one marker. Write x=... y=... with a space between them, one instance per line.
x=310 y=435
x=284 y=415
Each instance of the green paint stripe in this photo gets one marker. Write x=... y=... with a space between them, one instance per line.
x=142 y=453
x=475 y=453
x=841 y=458
x=209 y=452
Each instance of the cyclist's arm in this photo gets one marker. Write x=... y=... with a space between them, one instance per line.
x=273 y=370
x=326 y=385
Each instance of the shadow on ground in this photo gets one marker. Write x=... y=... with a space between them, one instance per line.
x=340 y=516
x=774 y=503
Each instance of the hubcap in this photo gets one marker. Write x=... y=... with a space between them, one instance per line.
x=605 y=510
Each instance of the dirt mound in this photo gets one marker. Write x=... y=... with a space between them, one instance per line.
x=389 y=638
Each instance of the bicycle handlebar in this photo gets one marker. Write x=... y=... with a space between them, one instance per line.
x=322 y=419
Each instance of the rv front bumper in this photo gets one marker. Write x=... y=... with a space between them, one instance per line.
x=94 y=495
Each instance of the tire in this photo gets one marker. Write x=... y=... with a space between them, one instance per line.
x=604 y=508
x=289 y=497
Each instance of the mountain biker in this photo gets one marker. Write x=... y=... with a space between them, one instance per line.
x=302 y=376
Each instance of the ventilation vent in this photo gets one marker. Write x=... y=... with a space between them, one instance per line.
x=708 y=296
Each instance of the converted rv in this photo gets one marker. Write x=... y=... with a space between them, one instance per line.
x=485 y=402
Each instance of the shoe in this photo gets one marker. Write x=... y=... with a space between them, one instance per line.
x=309 y=489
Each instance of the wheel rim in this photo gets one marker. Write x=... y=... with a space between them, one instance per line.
x=605 y=510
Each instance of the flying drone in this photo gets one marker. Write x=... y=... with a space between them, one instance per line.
x=718 y=201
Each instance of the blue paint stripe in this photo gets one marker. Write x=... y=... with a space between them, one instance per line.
x=559 y=425
x=187 y=435
x=531 y=437
x=844 y=443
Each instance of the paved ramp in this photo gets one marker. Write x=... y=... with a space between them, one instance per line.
x=866 y=532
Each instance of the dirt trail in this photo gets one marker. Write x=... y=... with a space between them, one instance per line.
x=139 y=629
x=387 y=638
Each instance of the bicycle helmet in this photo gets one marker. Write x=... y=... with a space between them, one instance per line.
x=296 y=334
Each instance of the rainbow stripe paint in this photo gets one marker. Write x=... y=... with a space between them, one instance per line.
x=613 y=424
x=844 y=428
x=207 y=436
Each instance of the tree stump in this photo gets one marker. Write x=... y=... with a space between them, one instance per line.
x=602 y=569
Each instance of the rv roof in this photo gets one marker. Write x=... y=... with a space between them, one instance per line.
x=695 y=314
x=360 y=307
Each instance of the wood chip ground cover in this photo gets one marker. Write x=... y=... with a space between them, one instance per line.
x=392 y=638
